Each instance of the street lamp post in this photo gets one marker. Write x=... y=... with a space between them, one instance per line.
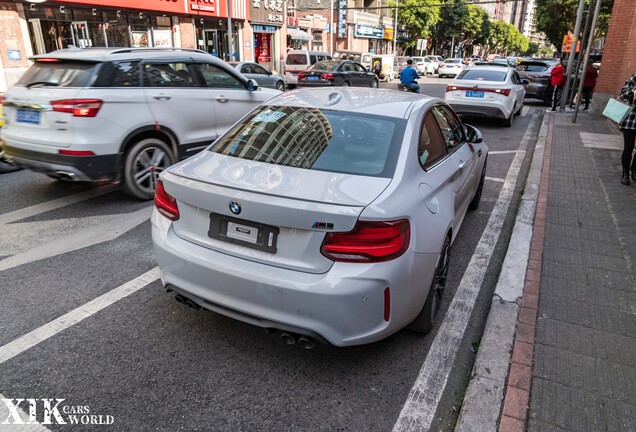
x=229 y=32
x=395 y=29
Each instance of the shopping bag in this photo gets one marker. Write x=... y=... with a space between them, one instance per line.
x=616 y=110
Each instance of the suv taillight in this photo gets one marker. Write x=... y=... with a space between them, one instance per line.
x=165 y=203
x=368 y=242
x=78 y=107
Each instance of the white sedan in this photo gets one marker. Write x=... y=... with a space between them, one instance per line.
x=490 y=91
x=424 y=65
x=451 y=67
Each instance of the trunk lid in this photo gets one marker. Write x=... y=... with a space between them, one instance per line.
x=266 y=213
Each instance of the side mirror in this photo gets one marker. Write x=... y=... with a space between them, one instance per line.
x=269 y=73
x=473 y=135
x=252 y=85
x=524 y=81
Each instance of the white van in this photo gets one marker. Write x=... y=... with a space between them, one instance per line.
x=299 y=60
x=364 y=58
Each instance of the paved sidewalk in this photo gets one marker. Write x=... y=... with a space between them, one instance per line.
x=570 y=362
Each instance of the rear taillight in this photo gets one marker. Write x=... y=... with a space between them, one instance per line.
x=504 y=92
x=368 y=242
x=76 y=152
x=78 y=107
x=326 y=76
x=451 y=88
x=302 y=75
x=1 y=99
x=165 y=203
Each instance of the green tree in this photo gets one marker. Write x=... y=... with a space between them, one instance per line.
x=556 y=17
x=533 y=48
x=419 y=15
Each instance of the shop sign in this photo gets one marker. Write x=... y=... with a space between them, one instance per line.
x=262 y=48
x=14 y=55
x=257 y=28
x=267 y=11
x=208 y=6
x=171 y=6
x=388 y=33
x=342 y=18
x=366 y=31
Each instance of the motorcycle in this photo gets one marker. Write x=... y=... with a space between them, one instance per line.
x=402 y=87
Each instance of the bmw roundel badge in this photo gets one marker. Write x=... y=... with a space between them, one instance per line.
x=235 y=207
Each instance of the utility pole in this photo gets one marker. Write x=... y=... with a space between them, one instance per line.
x=331 y=27
x=395 y=29
x=577 y=30
x=586 y=59
x=229 y=31
x=588 y=21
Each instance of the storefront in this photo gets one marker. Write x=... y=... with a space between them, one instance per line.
x=375 y=36
x=266 y=19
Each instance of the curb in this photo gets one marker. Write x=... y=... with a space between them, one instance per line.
x=484 y=396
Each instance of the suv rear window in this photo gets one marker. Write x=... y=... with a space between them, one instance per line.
x=296 y=59
x=483 y=75
x=315 y=139
x=58 y=74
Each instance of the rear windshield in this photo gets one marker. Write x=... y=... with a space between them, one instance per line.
x=297 y=59
x=325 y=65
x=533 y=67
x=483 y=75
x=315 y=139
x=452 y=61
x=58 y=74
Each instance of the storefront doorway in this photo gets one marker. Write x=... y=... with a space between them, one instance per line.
x=79 y=33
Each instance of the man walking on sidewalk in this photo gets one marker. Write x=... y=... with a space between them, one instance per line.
x=557 y=79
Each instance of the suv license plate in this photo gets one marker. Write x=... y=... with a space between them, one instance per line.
x=28 y=116
x=474 y=94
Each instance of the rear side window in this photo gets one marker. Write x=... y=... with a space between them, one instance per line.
x=58 y=74
x=297 y=59
x=483 y=75
x=118 y=74
x=451 y=127
x=313 y=59
x=215 y=77
x=315 y=139
x=431 y=148
x=168 y=75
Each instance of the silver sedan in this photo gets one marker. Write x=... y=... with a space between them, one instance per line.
x=323 y=215
x=260 y=74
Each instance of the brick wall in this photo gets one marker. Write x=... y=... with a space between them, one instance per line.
x=186 y=30
x=619 y=54
x=11 y=37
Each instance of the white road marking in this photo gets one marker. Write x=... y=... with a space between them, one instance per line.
x=88 y=236
x=524 y=111
x=54 y=327
x=55 y=204
x=6 y=415
x=498 y=152
x=495 y=179
x=423 y=399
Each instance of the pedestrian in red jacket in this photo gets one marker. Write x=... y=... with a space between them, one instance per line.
x=589 y=82
x=557 y=79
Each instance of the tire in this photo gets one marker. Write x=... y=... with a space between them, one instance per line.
x=474 y=204
x=280 y=86
x=144 y=161
x=518 y=113
x=346 y=84
x=425 y=321
x=510 y=120
x=6 y=166
x=374 y=83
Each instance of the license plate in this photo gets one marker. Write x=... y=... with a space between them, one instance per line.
x=295 y=73
x=312 y=78
x=474 y=94
x=28 y=116
x=245 y=233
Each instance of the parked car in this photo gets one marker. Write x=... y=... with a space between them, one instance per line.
x=487 y=91
x=537 y=72
x=298 y=61
x=451 y=67
x=309 y=217
x=337 y=73
x=122 y=113
x=509 y=62
x=6 y=165
x=424 y=65
x=258 y=73
x=401 y=63
x=437 y=60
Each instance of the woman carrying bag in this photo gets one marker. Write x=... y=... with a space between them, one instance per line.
x=628 y=127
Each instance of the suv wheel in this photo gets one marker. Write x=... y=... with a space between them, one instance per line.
x=280 y=85
x=144 y=161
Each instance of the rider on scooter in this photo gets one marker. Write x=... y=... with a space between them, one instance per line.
x=408 y=77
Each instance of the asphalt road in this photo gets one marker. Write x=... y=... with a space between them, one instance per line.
x=152 y=364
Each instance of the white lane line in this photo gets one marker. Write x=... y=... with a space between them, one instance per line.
x=7 y=416
x=524 y=111
x=419 y=410
x=498 y=152
x=55 y=204
x=54 y=327
x=495 y=179
x=80 y=239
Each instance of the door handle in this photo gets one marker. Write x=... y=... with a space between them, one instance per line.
x=222 y=99
x=479 y=153
x=462 y=164
x=162 y=97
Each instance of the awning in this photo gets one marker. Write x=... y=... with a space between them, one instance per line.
x=298 y=34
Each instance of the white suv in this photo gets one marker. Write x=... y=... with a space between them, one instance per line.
x=122 y=114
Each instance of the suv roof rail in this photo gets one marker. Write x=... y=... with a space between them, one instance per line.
x=128 y=50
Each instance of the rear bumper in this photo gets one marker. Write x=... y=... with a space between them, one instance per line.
x=344 y=306
x=79 y=168
x=476 y=110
